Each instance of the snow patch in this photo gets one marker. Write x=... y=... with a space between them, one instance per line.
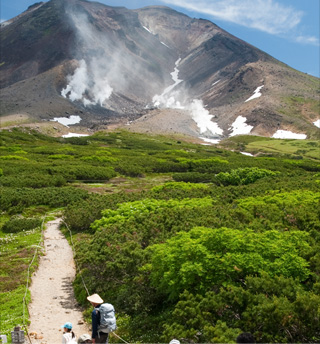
x=215 y=82
x=213 y=141
x=165 y=45
x=74 y=135
x=256 y=93
x=247 y=154
x=286 y=134
x=239 y=127
x=317 y=123
x=66 y=121
x=148 y=30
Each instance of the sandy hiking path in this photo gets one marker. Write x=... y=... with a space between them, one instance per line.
x=52 y=298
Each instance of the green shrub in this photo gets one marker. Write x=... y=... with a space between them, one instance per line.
x=193 y=177
x=15 y=200
x=18 y=224
x=129 y=169
x=13 y=157
x=83 y=172
x=60 y=156
x=131 y=210
x=32 y=181
x=203 y=257
x=243 y=176
x=178 y=186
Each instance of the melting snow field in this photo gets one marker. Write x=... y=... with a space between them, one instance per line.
x=285 y=134
x=67 y=120
x=247 y=154
x=256 y=93
x=240 y=127
x=317 y=123
x=213 y=141
x=73 y=135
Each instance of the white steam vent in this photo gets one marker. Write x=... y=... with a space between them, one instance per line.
x=176 y=99
x=203 y=119
x=167 y=98
x=91 y=88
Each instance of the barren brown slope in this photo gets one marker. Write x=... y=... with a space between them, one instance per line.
x=138 y=49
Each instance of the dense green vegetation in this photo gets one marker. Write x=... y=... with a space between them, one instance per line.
x=199 y=243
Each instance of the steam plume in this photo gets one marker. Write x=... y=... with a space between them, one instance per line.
x=97 y=71
x=176 y=99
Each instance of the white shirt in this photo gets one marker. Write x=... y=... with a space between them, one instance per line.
x=67 y=338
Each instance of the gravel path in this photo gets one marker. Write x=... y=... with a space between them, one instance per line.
x=52 y=298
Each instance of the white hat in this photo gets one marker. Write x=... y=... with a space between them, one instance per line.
x=83 y=338
x=174 y=341
x=95 y=298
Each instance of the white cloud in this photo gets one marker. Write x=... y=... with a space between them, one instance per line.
x=265 y=15
x=308 y=40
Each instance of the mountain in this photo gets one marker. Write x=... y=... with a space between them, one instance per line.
x=152 y=69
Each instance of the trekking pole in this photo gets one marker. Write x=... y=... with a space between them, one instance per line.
x=27 y=334
x=119 y=337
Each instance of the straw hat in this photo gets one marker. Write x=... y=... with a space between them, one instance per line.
x=95 y=298
x=174 y=341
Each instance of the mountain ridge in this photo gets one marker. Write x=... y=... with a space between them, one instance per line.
x=109 y=64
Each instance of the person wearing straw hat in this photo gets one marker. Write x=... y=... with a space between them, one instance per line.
x=97 y=336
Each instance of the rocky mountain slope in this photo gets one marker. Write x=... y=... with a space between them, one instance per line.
x=111 y=65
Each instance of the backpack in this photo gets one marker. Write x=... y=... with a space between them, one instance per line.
x=107 y=318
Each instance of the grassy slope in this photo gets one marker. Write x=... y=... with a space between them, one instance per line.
x=122 y=146
x=302 y=149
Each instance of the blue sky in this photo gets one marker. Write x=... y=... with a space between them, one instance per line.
x=286 y=29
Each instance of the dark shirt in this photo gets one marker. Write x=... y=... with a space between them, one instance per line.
x=95 y=316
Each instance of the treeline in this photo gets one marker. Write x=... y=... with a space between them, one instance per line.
x=230 y=244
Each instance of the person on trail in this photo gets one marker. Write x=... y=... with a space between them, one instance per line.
x=68 y=335
x=84 y=338
x=97 y=335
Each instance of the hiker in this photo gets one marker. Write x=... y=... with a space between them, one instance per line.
x=68 y=335
x=84 y=338
x=103 y=319
x=245 y=337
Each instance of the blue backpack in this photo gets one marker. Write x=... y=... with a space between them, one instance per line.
x=108 y=321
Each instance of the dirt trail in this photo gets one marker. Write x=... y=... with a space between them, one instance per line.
x=52 y=298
